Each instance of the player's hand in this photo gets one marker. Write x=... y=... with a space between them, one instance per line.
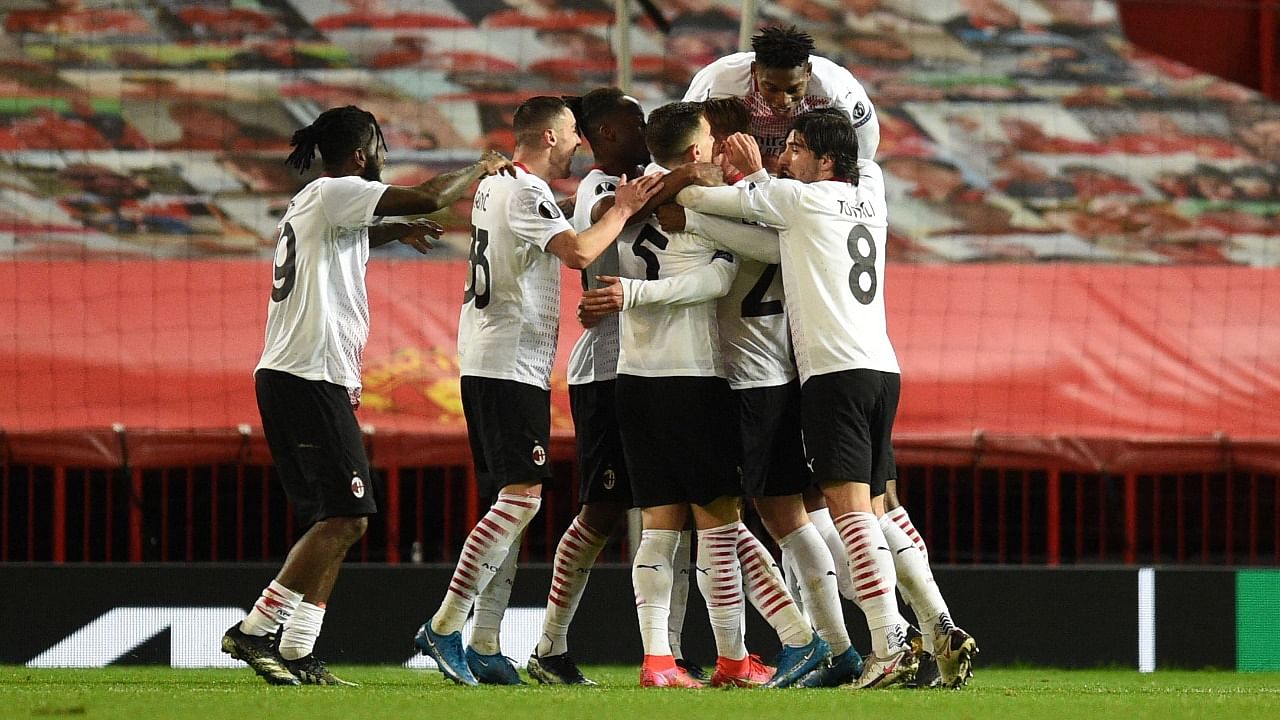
x=741 y=150
x=671 y=217
x=632 y=195
x=416 y=233
x=705 y=174
x=494 y=162
x=596 y=304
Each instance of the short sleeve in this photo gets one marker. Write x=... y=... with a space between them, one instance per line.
x=534 y=215
x=349 y=202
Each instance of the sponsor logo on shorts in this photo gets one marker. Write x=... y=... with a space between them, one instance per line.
x=610 y=479
x=539 y=455
x=357 y=486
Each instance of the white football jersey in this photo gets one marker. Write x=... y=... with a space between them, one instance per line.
x=832 y=240
x=669 y=340
x=754 y=335
x=829 y=84
x=511 y=304
x=318 y=315
x=594 y=357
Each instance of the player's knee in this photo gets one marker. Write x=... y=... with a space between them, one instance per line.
x=348 y=529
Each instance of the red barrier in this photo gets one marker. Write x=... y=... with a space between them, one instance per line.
x=967 y=515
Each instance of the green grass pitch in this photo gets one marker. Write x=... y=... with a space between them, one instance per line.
x=143 y=693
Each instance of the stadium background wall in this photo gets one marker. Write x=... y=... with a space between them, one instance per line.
x=1049 y=617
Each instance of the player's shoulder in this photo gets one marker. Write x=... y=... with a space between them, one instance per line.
x=597 y=183
x=871 y=183
x=732 y=61
x=834 y=79
x=870 y=169
x=728 y=75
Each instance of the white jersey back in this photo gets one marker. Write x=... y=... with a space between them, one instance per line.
x=668 y=340
x=594 y=357
x=832 y=238
x=753 y=328
x=511 y=304
x=754 y=335
x=318 y=316
x=829 y=84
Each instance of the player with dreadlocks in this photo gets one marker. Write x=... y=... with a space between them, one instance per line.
x=308 y=379
x=779 y=80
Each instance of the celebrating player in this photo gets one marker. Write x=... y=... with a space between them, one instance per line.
x=613 y=123
x=832 y=220
x=757 y=356
x=308 y=379
x=506 y=345
x=779 y=80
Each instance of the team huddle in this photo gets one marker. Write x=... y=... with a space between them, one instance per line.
x=732 y=248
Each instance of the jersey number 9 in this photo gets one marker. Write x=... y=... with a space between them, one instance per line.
x=285 y=272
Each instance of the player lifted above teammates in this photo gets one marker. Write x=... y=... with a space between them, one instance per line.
x=308 y=378
x=779 y=80
x=506 y=345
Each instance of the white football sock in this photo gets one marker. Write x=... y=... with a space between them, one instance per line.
x=301 y=631
x=915 y=581
x=902 y=520
x=575 y=556
x=274 y=607
x=767 y=592
x=482 y=555
x=491 y=603
x=720 y=581
x=651 y=577
x=874 y=579
x=816 y=573
x=821 y=519
x=681 y=570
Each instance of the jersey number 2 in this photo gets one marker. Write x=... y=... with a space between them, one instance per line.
x=864 y=265
x=285 y=274
x=754 y=304
x=478 y=269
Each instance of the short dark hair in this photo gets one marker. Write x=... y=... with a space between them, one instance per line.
x=535 y=115
x=596 y=107
x=831 y=134
x=727 y=115
x=670 y=130
x=782 y=48
x=337 y=133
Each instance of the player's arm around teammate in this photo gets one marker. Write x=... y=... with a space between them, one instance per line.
x=308 y=377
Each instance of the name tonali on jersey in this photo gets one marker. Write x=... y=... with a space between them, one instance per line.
x=511 y=302
x=318 y=315
x=594 y=357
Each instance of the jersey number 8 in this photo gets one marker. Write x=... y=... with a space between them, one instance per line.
x=864 y=265
x=478 y=269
